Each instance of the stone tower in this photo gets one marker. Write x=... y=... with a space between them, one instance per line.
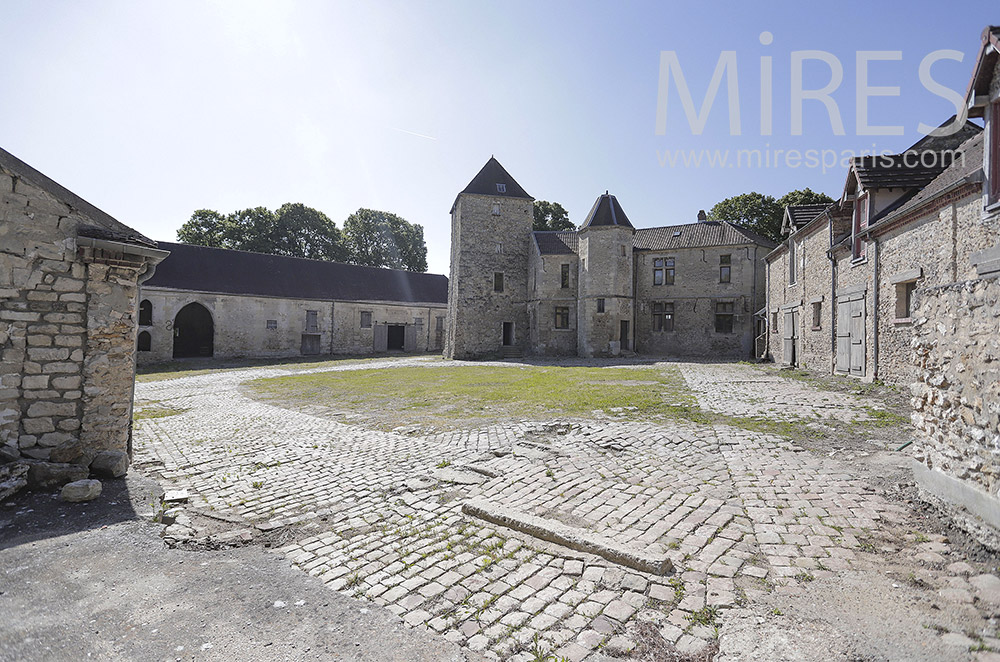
x=605 y=314
x=491 y=224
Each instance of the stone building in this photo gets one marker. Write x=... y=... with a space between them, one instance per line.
x=840 y=287
x=223 y=303
x=956 y=333
x=604 y=289
x=69 y=275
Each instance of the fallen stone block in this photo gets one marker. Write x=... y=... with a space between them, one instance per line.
x=568 y=536
x=175 y=496
x=81 y=490
x=12 y=479
x=110 y=464
x=9 y=454
x=45 y=476
x=70 y=452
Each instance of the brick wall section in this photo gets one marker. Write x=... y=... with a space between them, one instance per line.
x=475 y=312
x=956 y=396
x=67 y=329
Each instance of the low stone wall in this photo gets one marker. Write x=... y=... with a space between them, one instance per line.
x=956 y=396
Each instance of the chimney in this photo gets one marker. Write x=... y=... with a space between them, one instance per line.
x=702 y=216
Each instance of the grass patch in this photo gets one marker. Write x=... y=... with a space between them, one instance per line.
x=155 y=412
x=450 y=395
x=157 y=372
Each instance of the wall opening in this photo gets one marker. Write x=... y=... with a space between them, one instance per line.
x=508 y=333
x=145 y=313
x=194 y=332
x=395 y=337
x=145 y=342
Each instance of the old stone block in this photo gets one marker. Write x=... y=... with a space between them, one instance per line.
x=36 y=340
x=37 y=295
x=41 y=354
x=81 y=490
x=69 y=424
x=61 y=367
x=50 y=439
x=71 y=452
x=39 y=395
x=51 y=409
x=74 y=297
x=44 y=476
x=64 y=318
x=63 y=383
x=35 y=382
x=18 y=316
x=69 y=341
x=38 y=425
x=12 y=479
x=26 y=441
x=67 y=284
x=110 y=464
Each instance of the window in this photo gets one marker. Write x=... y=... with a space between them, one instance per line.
x=791 y=262
x=600 y=305
x=501 y=188
x=623 y=250
x=774 y=322
x=817 y=315
x=663 y=271
x=312 y=321
x=366 y=319
x=663 y=316
x=562 y=317
x=145 y=342
x=860 y=224
x=496 y=208
x=439 y=323
x=725 y=266
x=904 y=300
x=499 y=248
x=271 y=324
x=564 y=275
x=723 y=317
x=145 y=313
x=498 y=281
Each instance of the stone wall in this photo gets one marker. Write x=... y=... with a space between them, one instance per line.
x=242 y=330
x=695 y=292
x=606 y=272
x=956 y=396
x=67 y=331
x=482 y=244
x=547 y=293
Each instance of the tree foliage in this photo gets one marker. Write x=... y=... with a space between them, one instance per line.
x=371 y=238
x=551 y=216
x=382 y=239
x=761 y=213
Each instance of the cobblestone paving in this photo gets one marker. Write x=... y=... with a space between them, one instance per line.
x=380 y=513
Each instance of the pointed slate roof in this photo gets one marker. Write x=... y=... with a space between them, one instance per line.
x=606 y=211
x=494 y=179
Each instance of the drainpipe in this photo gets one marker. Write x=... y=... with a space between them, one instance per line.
x=833 y=298
x=875 y=286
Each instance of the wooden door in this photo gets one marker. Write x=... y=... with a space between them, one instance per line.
x=410 y=338
x=381 y=343
x=788 y=336
x=843 y=336
x=858 y=337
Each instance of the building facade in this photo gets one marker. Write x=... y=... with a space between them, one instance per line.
x=605 y=289
x=69 y=277
x=227 y=304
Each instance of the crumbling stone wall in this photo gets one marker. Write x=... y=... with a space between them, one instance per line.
x=956 y=396
x=67 y=331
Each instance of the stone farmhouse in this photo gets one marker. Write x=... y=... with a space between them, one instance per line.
x=224 y=303
x=900 y=281
x=603 y=290
x=69 y=277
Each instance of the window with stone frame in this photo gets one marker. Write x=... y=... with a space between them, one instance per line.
x=724 y=317
x=562 y=317
x=725 y=268
x=792 y=262
x=600 y=305
x=817 y=310
x=663 y=316
x=563 y=276
x=498 y=281
x=904 y=300
x=860 y=224
x=145 y=313
x=366 y=319
x=663 y=271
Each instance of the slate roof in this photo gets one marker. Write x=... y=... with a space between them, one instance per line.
x=492 y=174
x=606 y=211
x=102 y=221
x=697 y=235
x=802 y=214
x=223 y=271
x=982 y=75
x=961 y=169
x=556 y=242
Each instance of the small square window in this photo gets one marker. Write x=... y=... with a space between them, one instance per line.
x=564 y=276
x=501 y=188
x=562 y=317
x=817 y=315
x=600 y=305
x=904 y=300
x=271 y=324
x=366 y=319
x=498 y=281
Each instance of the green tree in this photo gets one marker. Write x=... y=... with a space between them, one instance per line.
x=382 y=239
x=762 y=213
x=551 y=216
x=306 y=232
x=805 y=196
x=206 y=227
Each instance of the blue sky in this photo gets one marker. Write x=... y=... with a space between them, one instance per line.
x=152 y=110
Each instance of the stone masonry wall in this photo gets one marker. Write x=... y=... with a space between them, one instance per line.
x=606 y=272
x=67 y=330
x=956 y=396
x=547 y=293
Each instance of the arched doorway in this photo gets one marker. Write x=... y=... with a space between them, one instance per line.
x=194 y=331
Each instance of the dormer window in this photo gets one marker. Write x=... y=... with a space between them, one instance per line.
x=501 y=188
x=860 y=224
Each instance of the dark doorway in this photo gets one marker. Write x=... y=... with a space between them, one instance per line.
x=508 y=333
x=395 y=337
x=624 y=335
x=145 y=342
x=194 y=332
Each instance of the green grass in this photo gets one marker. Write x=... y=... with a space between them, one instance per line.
x=155 y=412
x=456 y=394
x=156 y=372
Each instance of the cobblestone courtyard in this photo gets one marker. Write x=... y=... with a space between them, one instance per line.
x=744 y=517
